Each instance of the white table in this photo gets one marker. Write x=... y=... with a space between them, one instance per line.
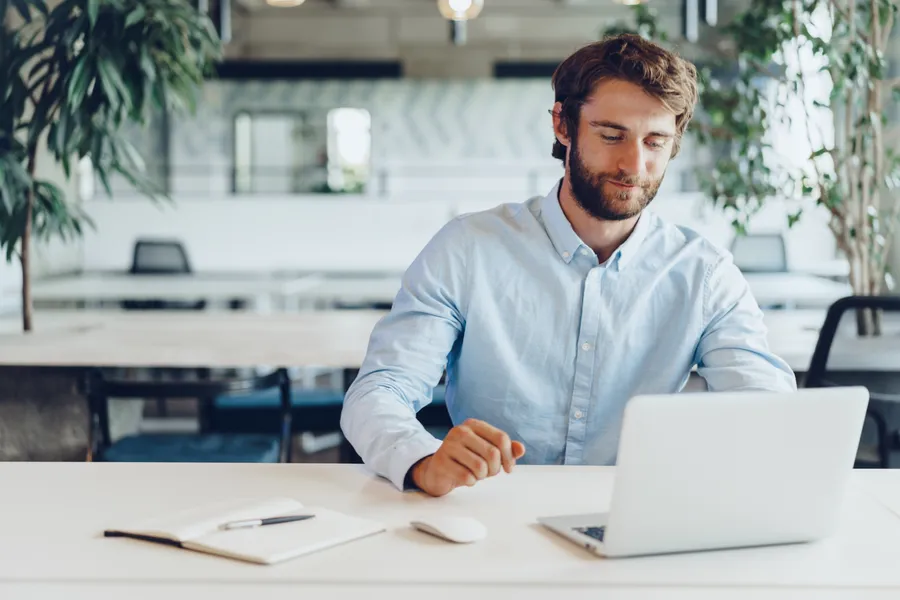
x=795 y=289
x=333 y=339
x=355 y=290
x=792 y=289
x=258 y=290
x=327 y=338
x=54 y=514
x=793 y=335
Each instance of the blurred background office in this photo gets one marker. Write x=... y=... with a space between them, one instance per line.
x=333 y=138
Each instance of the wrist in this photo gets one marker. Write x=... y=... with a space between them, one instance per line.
x=417 y=471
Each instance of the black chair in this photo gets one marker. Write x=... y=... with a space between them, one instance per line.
x=199 y=447
x=160 y=257
x=883 y=386
x=760 y=253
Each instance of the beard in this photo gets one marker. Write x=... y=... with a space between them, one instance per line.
x=589 y=190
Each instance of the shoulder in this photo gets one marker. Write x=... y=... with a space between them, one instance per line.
x=492 y=223
x=684 y=243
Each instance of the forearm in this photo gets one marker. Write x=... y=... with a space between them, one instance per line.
x=383 y=429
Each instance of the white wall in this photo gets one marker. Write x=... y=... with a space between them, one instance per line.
x=356 y=235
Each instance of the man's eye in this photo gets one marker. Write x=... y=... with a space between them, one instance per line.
x=612 y=138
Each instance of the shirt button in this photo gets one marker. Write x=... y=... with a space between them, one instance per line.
x=585 y=346
x=566 y=255
x=585 y=251
x=578 y=414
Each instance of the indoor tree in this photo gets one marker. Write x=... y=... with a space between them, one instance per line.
x=75 y=72
x=799 y=106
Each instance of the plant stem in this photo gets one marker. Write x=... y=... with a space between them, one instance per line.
x=25 y=254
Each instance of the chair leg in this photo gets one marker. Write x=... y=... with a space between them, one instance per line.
x=287 y=438
x=884 y=456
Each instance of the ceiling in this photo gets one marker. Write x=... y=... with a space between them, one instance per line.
x=413 y=32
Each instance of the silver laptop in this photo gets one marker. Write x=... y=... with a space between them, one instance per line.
x=705 y=471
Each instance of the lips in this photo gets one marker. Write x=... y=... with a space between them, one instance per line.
x=624 y=186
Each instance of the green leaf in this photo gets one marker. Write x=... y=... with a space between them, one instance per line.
x=135 y=16
x=93 y=10
x=79 y=82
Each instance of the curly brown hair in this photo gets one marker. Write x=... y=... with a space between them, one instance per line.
x=662 y=74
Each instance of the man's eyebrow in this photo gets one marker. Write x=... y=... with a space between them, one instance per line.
x=608 y=124
x=619 y=127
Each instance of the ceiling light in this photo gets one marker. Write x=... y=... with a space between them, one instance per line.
x=285 y=3
x=460 y=10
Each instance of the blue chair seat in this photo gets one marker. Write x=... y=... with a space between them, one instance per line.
x=194 y=448
x=315 y=410
x=271 y=399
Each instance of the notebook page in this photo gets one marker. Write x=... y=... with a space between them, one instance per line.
x=195 y=522
x=274 y=543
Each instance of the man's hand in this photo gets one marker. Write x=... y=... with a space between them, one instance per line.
x=470 y=452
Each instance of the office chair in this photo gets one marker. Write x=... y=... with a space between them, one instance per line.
x=882 y=386
x=760 y=253
x=160 y=257
x=200 y=447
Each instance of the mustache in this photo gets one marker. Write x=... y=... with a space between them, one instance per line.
x=625 y=179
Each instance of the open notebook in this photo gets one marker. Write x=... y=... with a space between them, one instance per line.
x=198 y=529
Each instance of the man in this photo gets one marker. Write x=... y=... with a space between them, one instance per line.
x=549 y=315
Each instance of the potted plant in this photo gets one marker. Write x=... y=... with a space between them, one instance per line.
x=76 y=72
x=814 y=72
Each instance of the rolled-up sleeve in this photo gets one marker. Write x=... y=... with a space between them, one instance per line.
x=733 y=352
x=406 y=356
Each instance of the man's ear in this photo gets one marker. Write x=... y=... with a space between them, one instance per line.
x=559 y=125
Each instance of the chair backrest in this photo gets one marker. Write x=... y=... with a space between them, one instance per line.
x=881 y=385
x=815 y=375
x=760 y=253
x=159 y=257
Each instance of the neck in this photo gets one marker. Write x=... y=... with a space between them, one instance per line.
x=603 y=236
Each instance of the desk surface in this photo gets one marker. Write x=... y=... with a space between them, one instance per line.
x=796 y=289
x=76 y=501
x=95 y=287
x=189 y=339
x=328 y=338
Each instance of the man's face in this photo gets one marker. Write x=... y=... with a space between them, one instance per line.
x=618 y=159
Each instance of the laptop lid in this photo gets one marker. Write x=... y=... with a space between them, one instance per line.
x=717 y=470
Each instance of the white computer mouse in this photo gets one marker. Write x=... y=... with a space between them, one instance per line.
x=462 y=530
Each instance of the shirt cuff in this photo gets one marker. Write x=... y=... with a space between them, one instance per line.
x=408 y=453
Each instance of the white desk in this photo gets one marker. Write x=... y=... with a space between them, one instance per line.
x=92 y=288
x=795 y=289
x=328 y=338
x=177 y=339
x=54 y=514
x=793 y=335
x=356 y=290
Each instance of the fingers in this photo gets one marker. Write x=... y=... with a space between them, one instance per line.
x=488 y=453
x=474 y=463
x=518 y=449
x=497 y=438
x=458 y=474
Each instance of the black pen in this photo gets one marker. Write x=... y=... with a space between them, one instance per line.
x=261 y=522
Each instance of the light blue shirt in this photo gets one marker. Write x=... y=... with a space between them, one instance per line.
x=542 y=341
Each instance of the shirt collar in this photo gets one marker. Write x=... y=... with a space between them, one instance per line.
x=567 y=242
x=564 y=238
